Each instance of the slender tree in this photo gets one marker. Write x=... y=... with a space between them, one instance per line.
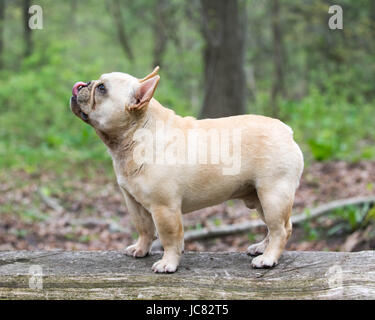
x=165 y=29
x=223 y=29
x=160 y=34
x=115 y=10
x=2 y=17
x=26 y=30
x=278 y=57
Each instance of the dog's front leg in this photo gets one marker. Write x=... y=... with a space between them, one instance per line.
x=171 y=233
x=145 y=226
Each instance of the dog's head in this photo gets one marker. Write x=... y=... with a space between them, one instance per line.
x=107 y=103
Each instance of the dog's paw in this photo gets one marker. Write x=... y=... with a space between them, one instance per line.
x=164 y=266
x=263 y=261
x=136 y=251
x=256 y=249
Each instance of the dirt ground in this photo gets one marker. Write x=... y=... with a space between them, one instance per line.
x=88 y=213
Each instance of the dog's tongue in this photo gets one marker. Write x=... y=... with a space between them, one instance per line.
x=76 y=86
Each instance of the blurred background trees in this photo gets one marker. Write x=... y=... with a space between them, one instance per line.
x=275 y=58
x=223 y=29
x=27 y=32
x=2 y=14
x=217 y=58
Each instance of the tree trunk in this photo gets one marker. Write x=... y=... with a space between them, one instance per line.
x=27 y=31
x=223 y=29
x=160 y=35
x=115 y=9
x=2 y=17
x=278 y=57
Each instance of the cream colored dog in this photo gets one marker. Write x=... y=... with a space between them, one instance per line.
x=264 y=166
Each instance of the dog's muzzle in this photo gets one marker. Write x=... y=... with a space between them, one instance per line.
x=74 y=103
x=78 y=86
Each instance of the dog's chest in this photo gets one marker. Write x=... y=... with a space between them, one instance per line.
x=122 y=182
x=128 y=183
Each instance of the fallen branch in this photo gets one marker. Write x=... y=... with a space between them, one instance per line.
x=307 y=214
x=227 y=230
x=50 y=202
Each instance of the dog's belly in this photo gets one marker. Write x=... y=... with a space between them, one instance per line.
x=192 y=202
x=189 y=205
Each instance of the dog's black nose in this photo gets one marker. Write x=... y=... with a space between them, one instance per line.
x=88 y=83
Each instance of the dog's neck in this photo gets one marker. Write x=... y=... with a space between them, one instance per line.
x=113 y=139
x=120 y=142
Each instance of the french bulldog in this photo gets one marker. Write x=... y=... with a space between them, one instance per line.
x=167 y=165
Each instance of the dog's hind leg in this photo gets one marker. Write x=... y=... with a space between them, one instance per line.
x=144 y=225
x=276 y=200
x=252 y=202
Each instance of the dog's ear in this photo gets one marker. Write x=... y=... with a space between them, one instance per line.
x=145 y=92
x=152 y=74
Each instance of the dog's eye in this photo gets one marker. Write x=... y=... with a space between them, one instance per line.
x=101 y=88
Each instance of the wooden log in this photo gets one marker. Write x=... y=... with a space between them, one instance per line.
x=112 y=275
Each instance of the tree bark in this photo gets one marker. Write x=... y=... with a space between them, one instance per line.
x=278 y=57
x=160 y=35
x=223 y=28
x=115 y=9
x=2 y=17
x=27 y=31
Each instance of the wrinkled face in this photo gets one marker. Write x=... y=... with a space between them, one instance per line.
x=102 y=103
x=105 y=103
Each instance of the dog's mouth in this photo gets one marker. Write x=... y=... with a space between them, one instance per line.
x=78 y=86
x=74 y=103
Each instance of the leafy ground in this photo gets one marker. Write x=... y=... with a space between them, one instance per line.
x=87 y=212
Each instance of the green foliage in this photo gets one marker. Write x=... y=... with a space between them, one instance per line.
x=33 y=215
x=310 y=233
x=329 y=100
x=36 y=126
x=19 y=233
x=331 y=127
x=218 y=222
x=251 y=237
x=344 y=220
x=198 y=226
x=370 y=217
x=351 y=218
